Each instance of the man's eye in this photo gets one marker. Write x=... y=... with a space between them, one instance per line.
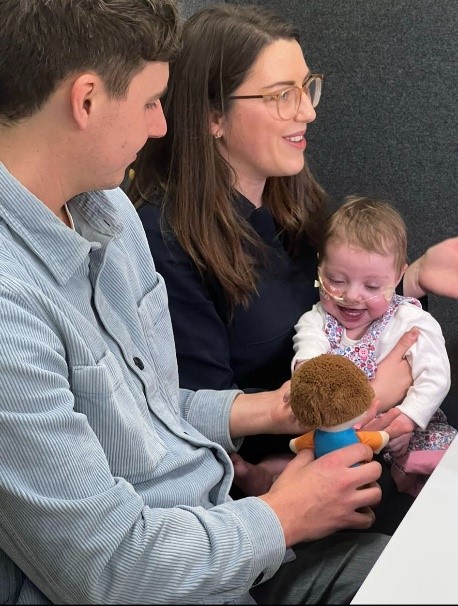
x=151 y=105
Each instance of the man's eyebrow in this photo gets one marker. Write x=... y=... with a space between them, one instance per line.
x=159 y=94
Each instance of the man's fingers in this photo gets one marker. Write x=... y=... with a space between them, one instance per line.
x=363 y=519
x=302 y=458
x=352 y=455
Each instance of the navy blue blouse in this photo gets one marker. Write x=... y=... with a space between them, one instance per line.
x=254 y=350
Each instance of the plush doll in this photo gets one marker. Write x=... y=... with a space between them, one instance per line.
x=330 y=394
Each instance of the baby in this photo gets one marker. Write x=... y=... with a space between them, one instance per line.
x=362 y=260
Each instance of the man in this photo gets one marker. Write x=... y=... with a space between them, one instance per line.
x=114 y=483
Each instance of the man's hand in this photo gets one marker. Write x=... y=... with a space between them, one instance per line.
x=264 y=412
x=313 y=498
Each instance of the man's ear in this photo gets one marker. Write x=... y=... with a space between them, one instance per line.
x=82 y=100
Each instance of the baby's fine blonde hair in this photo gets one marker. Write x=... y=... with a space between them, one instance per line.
x=372 y=225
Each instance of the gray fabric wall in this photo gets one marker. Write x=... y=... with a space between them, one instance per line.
x=387 y=122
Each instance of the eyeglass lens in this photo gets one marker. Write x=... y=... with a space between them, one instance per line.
x=288 y=102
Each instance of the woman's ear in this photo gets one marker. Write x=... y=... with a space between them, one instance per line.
x=216 y=124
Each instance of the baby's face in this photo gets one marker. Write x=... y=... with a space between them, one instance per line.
x=357 y=286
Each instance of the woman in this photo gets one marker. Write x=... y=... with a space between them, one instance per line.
x=231 y=211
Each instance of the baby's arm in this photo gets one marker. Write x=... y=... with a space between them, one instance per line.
x=310 y=340
x=430 y=366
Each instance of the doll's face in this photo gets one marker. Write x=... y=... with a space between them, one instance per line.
x=356 y=286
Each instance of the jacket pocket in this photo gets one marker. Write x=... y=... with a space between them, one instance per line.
x=121 y=422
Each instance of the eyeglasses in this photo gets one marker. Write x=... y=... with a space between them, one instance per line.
x=337 y=292
x=288 y=101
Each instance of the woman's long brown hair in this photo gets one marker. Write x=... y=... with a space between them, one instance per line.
x=187 y=176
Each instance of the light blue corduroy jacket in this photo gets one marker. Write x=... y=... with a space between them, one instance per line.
x=109 y=492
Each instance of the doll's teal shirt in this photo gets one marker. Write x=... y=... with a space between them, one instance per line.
x=327 y=441
x=113 y=481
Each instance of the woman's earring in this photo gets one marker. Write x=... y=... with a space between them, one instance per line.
x=218 y=135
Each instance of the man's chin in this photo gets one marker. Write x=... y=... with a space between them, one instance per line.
x=116 y=182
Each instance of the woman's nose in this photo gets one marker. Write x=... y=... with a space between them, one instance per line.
x=306 y=112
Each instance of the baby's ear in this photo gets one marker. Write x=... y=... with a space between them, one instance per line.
x=401 y=273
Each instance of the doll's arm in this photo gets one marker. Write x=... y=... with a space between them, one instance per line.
x=306 y=440
x=375 y=439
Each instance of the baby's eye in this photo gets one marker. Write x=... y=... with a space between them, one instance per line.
x=373 y=288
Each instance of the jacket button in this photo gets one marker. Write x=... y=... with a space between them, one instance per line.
x=138 y=363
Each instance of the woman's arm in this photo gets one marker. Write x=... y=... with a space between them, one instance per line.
x=436 y=271
x=394 y=374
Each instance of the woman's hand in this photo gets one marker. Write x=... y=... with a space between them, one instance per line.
x=394 y=374
x=399 y=427
x=436 y=271
x=398 y=446
x=394 y=422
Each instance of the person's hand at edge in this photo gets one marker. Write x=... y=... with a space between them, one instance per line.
x=434 y=272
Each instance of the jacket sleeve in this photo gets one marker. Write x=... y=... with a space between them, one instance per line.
x=200 y=333
x=77 y=528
